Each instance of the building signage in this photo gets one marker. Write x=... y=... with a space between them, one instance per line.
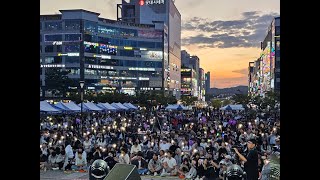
x=57 y=43
x=151 y=2
x=141 y=69
x=52 y=65
x=99 y=67
x=68 y=54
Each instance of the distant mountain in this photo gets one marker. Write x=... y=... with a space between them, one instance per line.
x=229 y=91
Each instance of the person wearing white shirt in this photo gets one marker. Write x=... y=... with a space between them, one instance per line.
x=124 y=157
x=203 y=144
x=81 y=163
x=69 y=157
x=135 y=149
x=87 y=144
x=169 y=166
x=164 y=145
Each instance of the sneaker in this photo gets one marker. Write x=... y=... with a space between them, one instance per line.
x=148 y=172
x=155 y=174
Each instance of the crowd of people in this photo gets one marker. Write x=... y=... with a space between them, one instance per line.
x=197 y=144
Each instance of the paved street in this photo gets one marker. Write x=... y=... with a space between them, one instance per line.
x=55 y=175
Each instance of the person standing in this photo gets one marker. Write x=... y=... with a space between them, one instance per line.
x=251 y=161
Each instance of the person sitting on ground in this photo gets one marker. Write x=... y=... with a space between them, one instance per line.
x=154 y=165
x=140 y=163
x=169 y=165
x=184 y=168
x=80 y=164
x=135 y=148
x=124 y=157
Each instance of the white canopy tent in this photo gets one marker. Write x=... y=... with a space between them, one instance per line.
x=46 y=107
x=232 y=107
x=176 y=107
x=106 y=106
x=121 y=106
x=130 y=106
x=72 y=106
x=91 y=106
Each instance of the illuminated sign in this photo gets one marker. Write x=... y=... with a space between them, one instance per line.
x=69 y=54
x=99 y=67
x=57 y=43
x=143 y=49
x=143 y=78
x=91 y=88
x=127 y=48
x=52 y=65
x=151 y=2
x=90 y=43
x=102 y=56
x=141 y=69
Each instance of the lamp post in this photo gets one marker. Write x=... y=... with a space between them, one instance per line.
x=81 y=98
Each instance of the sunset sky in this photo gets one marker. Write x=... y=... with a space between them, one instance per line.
x=225 y=35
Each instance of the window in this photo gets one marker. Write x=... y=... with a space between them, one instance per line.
x=129 y=53
x=108 y=30
x=89 y=38
x=73 y=37
x=72 y=59
x=145 y=44
x=91 y=48
x=53 y=26
x=73 y=71
x=48 y=48
x=90 y=26
x=103 y=40
x=58 y=48
x=72 y=48
x=277 y=33
x=52 y=37
x=53 y=60
x=90 y=60
x=72 y=24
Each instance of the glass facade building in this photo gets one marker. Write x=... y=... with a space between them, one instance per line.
x=106 y=54
x=163 y=14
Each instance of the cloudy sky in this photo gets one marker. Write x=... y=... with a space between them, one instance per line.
x=225 y=35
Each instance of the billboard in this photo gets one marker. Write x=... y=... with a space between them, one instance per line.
x=152 y=54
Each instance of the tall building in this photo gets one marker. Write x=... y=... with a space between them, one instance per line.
x=164 y=14
x=189 y=82
x=107 y=54
x=202 y=84
x=192 y=62
x=207 y=82
x=264 y=73
x=270 y=59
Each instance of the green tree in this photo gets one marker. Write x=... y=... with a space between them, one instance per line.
x=57 y=81
x=226 y=102
x=188 y=100
x=216 y=103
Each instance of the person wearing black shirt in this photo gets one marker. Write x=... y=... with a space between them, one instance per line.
x=251 y=161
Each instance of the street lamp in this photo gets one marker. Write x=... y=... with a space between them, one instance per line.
x=81 y=94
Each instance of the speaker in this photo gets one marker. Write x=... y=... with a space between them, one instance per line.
x=123 y=172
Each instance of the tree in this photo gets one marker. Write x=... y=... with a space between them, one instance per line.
x=188 y=100
x=57 y=81
x=226 y=102
x=216 y=103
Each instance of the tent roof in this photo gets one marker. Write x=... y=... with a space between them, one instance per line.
x=61 y=106
x=233 y=107
x=46 y=107
x=91 y=106
x=72 y=106
x=130 y=106
x=121 y=106
x=106 y=106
